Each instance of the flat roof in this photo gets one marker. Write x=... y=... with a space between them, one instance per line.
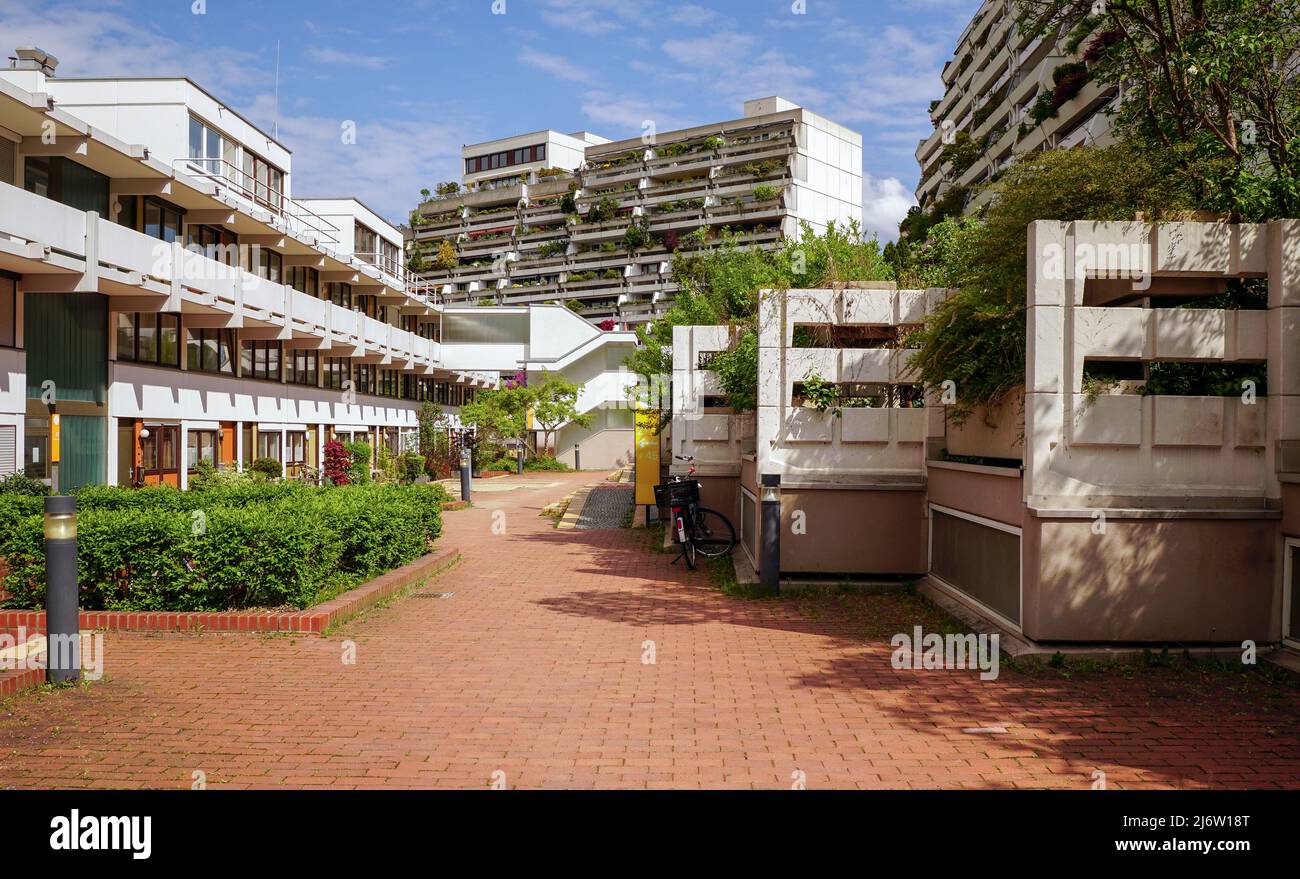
x=224 y=104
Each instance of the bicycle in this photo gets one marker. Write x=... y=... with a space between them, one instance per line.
x=699 y=530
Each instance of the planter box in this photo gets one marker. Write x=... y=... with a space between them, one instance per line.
x=991 y=434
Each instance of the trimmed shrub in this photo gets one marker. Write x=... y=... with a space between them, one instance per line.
x=261 y=545
x=268 y=467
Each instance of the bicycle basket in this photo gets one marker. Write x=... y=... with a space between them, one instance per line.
x=677 y=493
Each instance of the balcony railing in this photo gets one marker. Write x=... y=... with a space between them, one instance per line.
x=298 y=218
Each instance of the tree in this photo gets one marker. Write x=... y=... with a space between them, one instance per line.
x=499 y=414
x=976 y=338
x=431 y=428
x=1215 y=82
x=446 y=258
x=555 y=404
x=720 y=286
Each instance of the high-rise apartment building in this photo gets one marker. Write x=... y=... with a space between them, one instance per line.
x=167 y=298
x=1007 y=93
x=540 y=222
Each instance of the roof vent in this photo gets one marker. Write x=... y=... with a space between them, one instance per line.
x=32 y=58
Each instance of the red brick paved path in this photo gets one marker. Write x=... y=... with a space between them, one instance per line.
x=534 y=668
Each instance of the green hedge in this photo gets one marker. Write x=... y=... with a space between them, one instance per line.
x=223 y=549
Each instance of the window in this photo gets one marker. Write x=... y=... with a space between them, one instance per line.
x=505 y=159
x=340 y=294
x=210 y=350
x=214 y=242
x=201 y=445
x=301 y=366
x=304 y=280
x=267 y=264
x=389 y=383
x=162 y=220
x=260 y=359
x=264 y=182
x=66 y=182
x=268 y=445
x=211 y=151
x=149 y=338
x=365 y=243
x=295 y=449
x=158 y=449
x=365 y=377
x=336 y=372
x=8 y=312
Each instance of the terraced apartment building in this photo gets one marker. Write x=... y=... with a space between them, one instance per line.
x=593 y=224
x=1007 y=93
x=167 y=297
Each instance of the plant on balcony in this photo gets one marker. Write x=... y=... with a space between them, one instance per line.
x=487 y=301
x=425 y=194
x=820 y=394
x=1069 y=80
x=611 y=275
x=446 y=258
x=553 y=248
x=716 y=142
x=569 y=203
x=581 y=276
x=765 y=192
x=675 y=149
x=636 y=235
x=575 y=305
x=605 y=209
x=1231 y=63
x=447 y=189
x=607 y=325
x=544 y=173
x=671 y=239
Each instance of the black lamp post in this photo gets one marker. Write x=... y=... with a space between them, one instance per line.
x=466 y=474
x=62 y=624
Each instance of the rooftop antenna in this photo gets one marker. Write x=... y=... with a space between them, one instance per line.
x=275 y=120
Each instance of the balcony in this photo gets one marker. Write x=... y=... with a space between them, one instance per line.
x=261 y=200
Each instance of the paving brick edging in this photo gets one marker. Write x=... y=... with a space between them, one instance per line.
x=15 y=681
x=313 y=621
x=455 y=505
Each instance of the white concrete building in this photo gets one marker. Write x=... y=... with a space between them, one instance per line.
x=165 y=296
x=509 y=161
x=601 y=237
x=1004 y=93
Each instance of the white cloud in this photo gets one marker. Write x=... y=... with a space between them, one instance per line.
x=692 y=15
x=556 y=66
x=885 y=201
x=106 y=42
x=325 y=55
x=594 y=17
x=392 y=160
x=627 y=115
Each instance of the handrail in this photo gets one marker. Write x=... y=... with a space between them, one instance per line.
x=229 y=178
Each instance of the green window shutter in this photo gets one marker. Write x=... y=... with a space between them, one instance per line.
x=66 y=337
x=85 y=458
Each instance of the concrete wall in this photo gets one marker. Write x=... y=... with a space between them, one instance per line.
x=832 y=531
x=1157 y=580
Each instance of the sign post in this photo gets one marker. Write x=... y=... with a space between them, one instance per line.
x=647 y=456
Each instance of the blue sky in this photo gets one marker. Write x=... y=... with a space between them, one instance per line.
x=422 y=77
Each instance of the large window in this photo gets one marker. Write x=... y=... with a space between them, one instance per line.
x=365 y=378
x=260 y=359
x=268 y=445
x=162 y=220
x=264 y=181
x=201 y=445
x=505 y=159
x=267 y=264
x=304 y=280
x=64 y=181
x=210 y=350
x=215 y=242
x=301 y=366
x=336 y=372
x=8 y=312
x=295 y=450
x=149 y=338
x=212 y=151
x=158 y=450
x=338 y=293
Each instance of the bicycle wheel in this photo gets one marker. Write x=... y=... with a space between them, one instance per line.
x=688 y=551
x=714 y=535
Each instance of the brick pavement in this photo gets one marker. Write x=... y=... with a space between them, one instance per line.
x=534 y=668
